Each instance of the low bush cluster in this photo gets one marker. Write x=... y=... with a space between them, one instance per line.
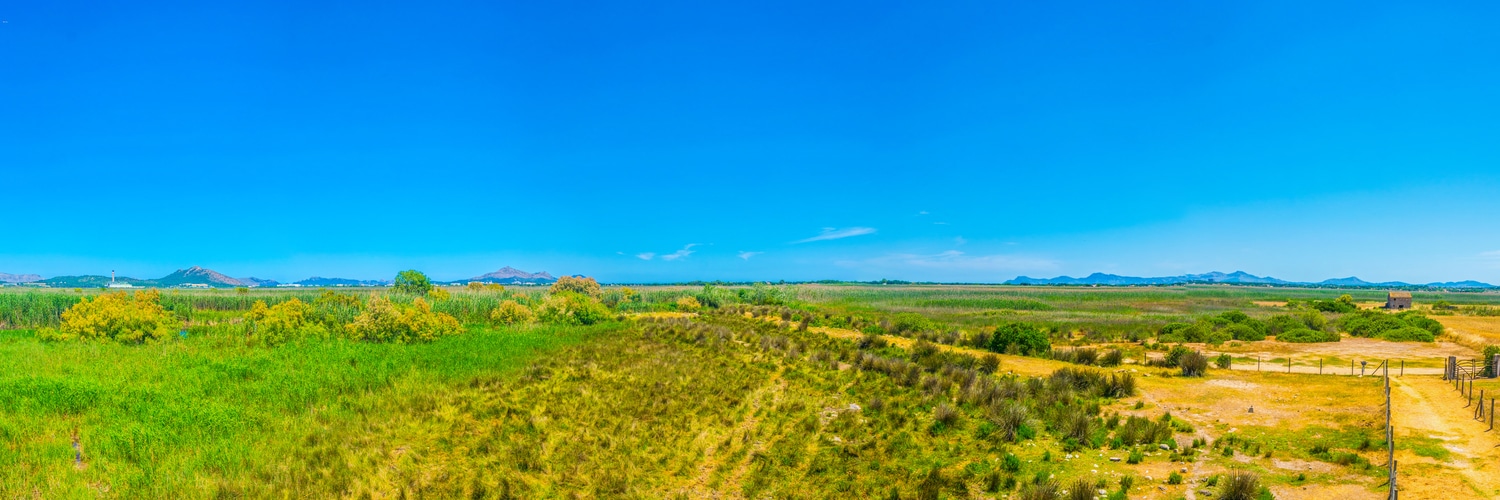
x=120 y=317
x=510 y=312
x=1307 y=336
x=1230 y=325
x=281 y=323
x=386 y=321
x=571 y=308
x=1408 y=326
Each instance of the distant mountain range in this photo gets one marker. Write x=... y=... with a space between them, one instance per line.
x=317 y=281
x=1237 y=277
x=19 y=278
x=511 y=276
x=198 y=276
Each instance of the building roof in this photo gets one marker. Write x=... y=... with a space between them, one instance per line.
x=1399 y=295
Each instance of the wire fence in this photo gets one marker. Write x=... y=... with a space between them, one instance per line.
x=1462 y=374
x=1390 y=432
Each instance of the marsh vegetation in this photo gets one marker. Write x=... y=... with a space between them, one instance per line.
x=581 y=390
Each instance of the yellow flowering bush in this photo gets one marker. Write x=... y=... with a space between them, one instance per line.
x=386 y=321
x=582 y=286
x=511 y=312
x=282 y=322
x=568 y=308
x=115 y=316
x=688 y=304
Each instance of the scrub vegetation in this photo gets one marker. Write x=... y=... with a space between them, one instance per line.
x=764 y=391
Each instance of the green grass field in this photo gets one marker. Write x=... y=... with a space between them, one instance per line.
x=204 y=415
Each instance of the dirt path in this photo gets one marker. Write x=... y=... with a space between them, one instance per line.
x=1426 y=407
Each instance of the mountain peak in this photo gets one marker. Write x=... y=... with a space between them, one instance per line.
x=199 y=275
x=509 y=274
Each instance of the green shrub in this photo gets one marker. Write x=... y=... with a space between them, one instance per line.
x=1313 y=320
x=1011 y=463
x=1246 y=333
x=1194 y=364
x=1184 y=332
x=1174 y=356
x=1174 y=478
x=1408 y=334
x=1020 y=338
x=1306 y=336
x=1344 y=304
x=1223 y=361
x=1490 y=351
x=1282 y=323
x=412 y=282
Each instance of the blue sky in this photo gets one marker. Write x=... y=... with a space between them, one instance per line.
x=963 y=141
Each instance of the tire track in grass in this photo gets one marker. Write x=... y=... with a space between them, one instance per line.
x=713 y=460
x=774 y=387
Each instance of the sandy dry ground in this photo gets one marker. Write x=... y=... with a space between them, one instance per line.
x=1428 y=407
x=1425 y=407
x=1472 y=331
x=1337 y=358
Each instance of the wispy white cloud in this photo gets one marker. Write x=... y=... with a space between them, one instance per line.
x=924 y=212
x=959 y=240
x=941 y=223
x=748 y=255
x=684 y=252
x=645 y=255
x=833 y=233
x=1492 y=254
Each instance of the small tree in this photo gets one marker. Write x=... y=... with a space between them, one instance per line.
x=688 y=304
x=412 y=282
